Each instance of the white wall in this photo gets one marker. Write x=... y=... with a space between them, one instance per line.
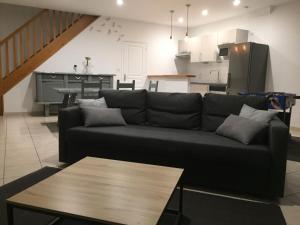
x=280 y=30
x=12 y=16
x=105 y=51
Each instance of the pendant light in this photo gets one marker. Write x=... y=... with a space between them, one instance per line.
x=172 y=13
x=187 y=22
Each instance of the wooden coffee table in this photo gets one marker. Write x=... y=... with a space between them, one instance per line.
x=104 y=191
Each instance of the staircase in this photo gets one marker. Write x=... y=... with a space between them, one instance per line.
x=33 y=43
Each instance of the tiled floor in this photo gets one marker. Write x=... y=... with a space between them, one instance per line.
x=28 y=143
x=295 y=131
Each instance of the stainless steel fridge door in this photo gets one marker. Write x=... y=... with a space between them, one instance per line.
x=238 y=78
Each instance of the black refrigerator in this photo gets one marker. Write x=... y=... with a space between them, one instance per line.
x=247 y=68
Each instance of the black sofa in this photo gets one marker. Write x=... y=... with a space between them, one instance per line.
x=177 y=130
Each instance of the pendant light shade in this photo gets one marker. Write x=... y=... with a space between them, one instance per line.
x=187 y=21
x=172 y=13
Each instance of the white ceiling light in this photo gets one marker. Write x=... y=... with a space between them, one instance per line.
x=204 y=12
x=120 y=2
x=236 y=2
x=180 y=20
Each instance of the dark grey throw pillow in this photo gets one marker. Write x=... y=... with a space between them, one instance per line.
x=241 y=129
x=257 y=115
x=96 y=117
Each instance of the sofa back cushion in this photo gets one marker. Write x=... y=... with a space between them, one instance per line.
x=174 y=110
x=217 y=107
x=132 y=104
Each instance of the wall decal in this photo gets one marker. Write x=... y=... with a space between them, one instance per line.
x=110 y=27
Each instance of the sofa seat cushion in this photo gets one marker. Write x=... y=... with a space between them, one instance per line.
x=209 y=160
x=174 y=143
x=132 y=104
x=174 y=110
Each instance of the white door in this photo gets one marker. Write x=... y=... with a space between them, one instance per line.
x=134 y=63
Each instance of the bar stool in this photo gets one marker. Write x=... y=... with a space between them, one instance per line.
x=153 y=85
x=126 y=85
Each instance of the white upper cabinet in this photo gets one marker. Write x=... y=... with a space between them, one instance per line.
x=233 y=36
x=209 y=48
x=205 y=48
x=195 y=45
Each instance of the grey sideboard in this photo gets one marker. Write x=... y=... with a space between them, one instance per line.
x=46 y=82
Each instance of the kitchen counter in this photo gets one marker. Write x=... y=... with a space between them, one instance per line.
x=173 y=76
x=210 y=84
x=172 y=82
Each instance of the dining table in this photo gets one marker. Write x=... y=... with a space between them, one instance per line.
x=70 y=94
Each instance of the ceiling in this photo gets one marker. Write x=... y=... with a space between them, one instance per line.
x=154 y=11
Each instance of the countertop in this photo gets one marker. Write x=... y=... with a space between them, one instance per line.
x=211 y=84
x=172 y=76
x=78 y=74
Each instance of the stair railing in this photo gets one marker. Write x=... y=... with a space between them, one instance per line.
x=33 y=36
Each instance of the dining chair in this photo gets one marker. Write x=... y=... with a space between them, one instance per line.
x=87 y=85
x=69 y=100
x=153 y=85
x=126 y=85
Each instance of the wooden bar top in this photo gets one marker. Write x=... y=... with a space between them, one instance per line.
x=171 y=76
x=102 y=190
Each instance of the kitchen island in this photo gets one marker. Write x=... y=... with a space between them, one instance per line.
x=172 y=83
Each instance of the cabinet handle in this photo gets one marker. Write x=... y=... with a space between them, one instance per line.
x=78 y=78
x=53 y=76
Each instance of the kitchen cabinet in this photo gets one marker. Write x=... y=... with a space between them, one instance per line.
x=203 y=49
x=233 y=36
x=195 y=45
x=46 y=82
x=209 y=48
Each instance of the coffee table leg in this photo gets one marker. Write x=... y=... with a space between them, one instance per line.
x=181 y=197
x=10 y=214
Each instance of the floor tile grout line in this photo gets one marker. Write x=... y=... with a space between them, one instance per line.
x=37 y=154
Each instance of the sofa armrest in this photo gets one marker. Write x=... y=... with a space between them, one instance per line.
x=67 y=118
x=278 y=141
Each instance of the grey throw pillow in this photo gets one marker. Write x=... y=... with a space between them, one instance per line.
x=101 y=103
x=257 y=115
x=241 y=129
x=96 y=117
